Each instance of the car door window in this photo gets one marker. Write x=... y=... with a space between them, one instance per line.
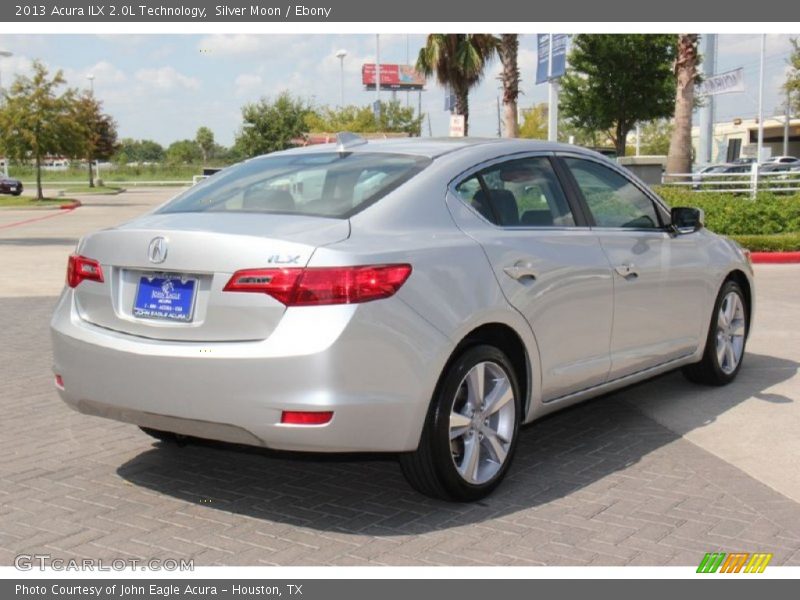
x=612 y=198
x=518 y=193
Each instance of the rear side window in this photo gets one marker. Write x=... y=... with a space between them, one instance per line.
x=523 y=192
x=613 y=200
x=323 y=184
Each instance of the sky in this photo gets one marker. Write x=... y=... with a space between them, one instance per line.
x=163 y=87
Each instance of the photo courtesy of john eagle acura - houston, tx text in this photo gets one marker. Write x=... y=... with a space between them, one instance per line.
x=424 y=297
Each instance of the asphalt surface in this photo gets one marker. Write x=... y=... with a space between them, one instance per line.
x=656 y=474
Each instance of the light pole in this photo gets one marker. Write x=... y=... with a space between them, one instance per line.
x=340 y=55
x=4 y=54
x=90 y=77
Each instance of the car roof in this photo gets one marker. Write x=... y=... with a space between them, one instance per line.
x=434 y=147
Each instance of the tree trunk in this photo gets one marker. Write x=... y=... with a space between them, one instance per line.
x=508 y=50
x=39 y=194
x=621 y=139
x=462 y=106
x=91 y=174
x=679 y=158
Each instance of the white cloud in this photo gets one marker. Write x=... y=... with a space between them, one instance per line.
x=166 y=78
x=248 y=85
x=274 y=46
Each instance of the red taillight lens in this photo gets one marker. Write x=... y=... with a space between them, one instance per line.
x=59 y=382
x=303 y=417
x=80 y=268
x=325 y=285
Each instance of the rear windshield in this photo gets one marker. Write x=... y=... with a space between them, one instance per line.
x=326 y=184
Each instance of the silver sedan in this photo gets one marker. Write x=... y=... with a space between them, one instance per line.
x=420 y=297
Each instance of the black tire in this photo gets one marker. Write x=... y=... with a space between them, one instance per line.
x=431 y=469
x=709 y=371
x=164 y=436
x=17 y=193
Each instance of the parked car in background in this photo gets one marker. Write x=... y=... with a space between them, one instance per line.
x=423 y=297
x=782 y=160
x=10 y=186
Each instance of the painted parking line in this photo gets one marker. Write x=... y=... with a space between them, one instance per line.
x=34 y=219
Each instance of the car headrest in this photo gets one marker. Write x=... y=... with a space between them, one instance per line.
x=504 y=204
x=268 y=200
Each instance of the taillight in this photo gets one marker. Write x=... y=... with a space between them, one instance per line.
x=322 y=285
x=80 y=268
x=306 y=417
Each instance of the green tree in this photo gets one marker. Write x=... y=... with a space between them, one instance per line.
x=615 y=81
x=534 y=122
x=394 y=118
x=205 y=140
x=131 y=150
x=792 y=85
x=184 y=152
x=272 y=125
x=458 y=60
x=37 y=120
x=655 y=137
x=679 y=157
x=101 y=131
x=508 y=51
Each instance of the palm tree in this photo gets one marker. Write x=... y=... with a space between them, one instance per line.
x=507 y=50
x=458 y=61
x=679 y=158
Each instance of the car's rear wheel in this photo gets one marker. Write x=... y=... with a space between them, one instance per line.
x=727 y=336
x=471 y=431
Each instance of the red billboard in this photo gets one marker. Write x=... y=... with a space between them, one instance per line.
x=393 y=77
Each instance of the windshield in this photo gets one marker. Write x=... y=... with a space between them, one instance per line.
x=326 y=184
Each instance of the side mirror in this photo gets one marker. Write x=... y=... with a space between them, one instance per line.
x=686 y=219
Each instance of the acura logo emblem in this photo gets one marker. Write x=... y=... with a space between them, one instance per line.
x=157 y=252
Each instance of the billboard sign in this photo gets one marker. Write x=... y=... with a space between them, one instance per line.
x=723 y=83
x=393 y=77
x=544 y=70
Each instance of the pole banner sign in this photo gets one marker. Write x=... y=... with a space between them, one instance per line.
x=723 y=83
x=546 y=71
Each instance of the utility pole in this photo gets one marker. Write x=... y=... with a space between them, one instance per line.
x=706 y=124
x=786 y=124
x=552 y=98
x=762 y=60
x=377 y=76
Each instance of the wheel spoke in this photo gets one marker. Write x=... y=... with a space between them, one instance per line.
x=738 y=327
x=471 y=460
x=722 y=344
x=495 y=445
x=730 y=356
x=501 y=395
x=459 y=424
x=730 y=307
x=475 y=385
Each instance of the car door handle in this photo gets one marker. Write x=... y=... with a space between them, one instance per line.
x=521 y=270
x=627 y=270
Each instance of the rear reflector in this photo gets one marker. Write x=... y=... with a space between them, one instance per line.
x=80 y=268
x=302 y=417
x=59 y=382
x=322 y=285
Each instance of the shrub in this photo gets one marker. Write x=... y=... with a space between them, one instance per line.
x=733 y=215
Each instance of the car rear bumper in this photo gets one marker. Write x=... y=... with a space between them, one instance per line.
x=374 y=365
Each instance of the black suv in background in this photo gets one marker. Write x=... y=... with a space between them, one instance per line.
x=10 y=186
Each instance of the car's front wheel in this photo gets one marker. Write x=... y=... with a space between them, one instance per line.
x=471 y=431
x=727 y=336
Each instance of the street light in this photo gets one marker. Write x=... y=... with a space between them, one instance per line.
x=90 y=77
x=340 y=55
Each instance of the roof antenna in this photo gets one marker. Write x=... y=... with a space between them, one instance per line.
x=346 y=140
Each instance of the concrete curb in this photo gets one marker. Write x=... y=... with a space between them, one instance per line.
x=775 y=258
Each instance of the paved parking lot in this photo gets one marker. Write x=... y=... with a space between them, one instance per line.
x=657 y=474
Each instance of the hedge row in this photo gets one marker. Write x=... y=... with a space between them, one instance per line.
x=735 y=216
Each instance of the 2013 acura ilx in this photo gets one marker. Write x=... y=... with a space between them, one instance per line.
x=419 y=296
